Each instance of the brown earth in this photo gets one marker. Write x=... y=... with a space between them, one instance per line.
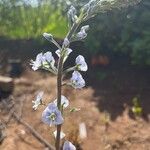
x=105 y=110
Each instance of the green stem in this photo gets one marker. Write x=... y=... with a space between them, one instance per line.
x=58 y=46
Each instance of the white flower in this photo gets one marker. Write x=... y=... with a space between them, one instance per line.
x=62 y=135
x=68 y=146
x=81 y=64
x=38 y=100
x=67 y=52
x=77 y=80
x=38 y=62
x=82 y=34
x=64 y=102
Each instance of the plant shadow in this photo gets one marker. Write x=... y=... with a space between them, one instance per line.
x=116 y=90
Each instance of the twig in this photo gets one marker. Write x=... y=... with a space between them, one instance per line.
x=9 y=117
x=21 y=108
x=31 y=129
x=2 y=133
x=34 y=132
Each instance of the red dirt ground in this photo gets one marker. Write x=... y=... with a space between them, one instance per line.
x=122 y=133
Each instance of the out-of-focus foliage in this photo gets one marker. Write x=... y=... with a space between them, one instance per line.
x=20 y=19
x=125 y=31
x=118 y=32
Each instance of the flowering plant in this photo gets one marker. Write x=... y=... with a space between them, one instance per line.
x=53 y=113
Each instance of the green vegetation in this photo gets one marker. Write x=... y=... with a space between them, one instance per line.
x=136 y=109
x=22 y=21
x=123 y=32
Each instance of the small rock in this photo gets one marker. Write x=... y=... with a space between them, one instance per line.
x=82 y=131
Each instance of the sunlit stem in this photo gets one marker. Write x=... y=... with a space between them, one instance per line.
x=58 y=46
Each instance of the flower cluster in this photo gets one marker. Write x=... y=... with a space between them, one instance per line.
x=53 y=113
x=45 y=61
x=53 y=116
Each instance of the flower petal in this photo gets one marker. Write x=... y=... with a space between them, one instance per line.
x=64 y=101
x=58 y=52
x=82 y=34
x=81 y=64
x=38 y=62
x=68 y=146
x=77 y=80
x=62 y=135
x=50 y=110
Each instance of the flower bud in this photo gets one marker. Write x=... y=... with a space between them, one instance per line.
x=48 y=36
x=72 y=14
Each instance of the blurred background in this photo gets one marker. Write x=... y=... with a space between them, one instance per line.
x=117 y=51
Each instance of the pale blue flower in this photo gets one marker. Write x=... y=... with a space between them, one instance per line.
x=38 y=100
x=82 y=34
x=48 y=36
x=38 y=62
x=66 y=42
x=67 y=52
x=46 y=60
x=68 y=146
x=72 y=14
x=77 y=80
x=51 y=115
x=64 y=102
x=81 y=64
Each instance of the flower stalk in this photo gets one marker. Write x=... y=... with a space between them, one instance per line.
x=59 y=78
x=59 y=83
